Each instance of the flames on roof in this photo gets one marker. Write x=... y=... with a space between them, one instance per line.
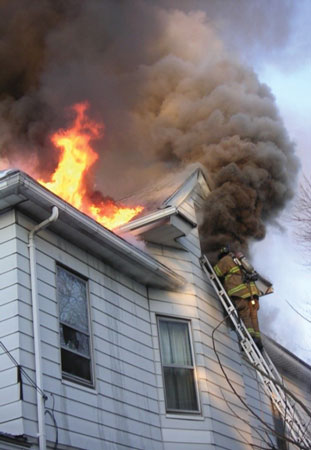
x=72 y=176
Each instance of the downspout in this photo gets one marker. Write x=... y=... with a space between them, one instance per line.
x=36 y=325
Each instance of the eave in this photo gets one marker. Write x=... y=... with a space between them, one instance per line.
x=18 y=190
x=162 y=227
x=288 y=363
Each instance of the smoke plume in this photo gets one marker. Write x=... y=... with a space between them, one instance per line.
x=167 y=87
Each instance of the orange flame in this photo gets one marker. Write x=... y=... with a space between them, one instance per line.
x=76 y=159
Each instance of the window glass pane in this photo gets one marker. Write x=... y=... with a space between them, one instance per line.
x=72 y=300
x=279 y=427
x=175 y=344
x=76 y=365
x=74 y=340
x=180 y=389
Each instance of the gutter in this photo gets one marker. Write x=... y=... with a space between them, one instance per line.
x=153 y=217
x=36 y=325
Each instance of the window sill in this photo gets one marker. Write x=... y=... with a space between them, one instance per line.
x=90 y=389
x=181 y=416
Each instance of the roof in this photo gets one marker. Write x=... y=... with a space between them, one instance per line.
x=22 y=192
x=158 y=195
x=20 y=441
x=287 y=363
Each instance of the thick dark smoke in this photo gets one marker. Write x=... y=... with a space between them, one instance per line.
x=169 y=92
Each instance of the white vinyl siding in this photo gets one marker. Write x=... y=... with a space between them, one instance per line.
x=126 y=409
x=224 y=421
x=122 y=411
x=11 y=420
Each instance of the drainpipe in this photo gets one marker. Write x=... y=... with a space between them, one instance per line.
x=36 y=325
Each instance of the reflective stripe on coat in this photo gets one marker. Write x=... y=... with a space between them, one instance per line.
x=233 y=278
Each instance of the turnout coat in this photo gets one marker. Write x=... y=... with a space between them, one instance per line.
x=232 y=275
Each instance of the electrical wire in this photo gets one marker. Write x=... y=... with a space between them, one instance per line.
x=297 y=312
x=306 y=428
x=287 y=391
x=23 y=371
x=261 y=391
x=245 y=421
x=52 y=415
x=240 y=398
x=44 y=396
x=256 y=429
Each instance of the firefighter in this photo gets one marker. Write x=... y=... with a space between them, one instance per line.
x=238 y=278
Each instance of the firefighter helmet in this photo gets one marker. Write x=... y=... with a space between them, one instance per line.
x=224 y=251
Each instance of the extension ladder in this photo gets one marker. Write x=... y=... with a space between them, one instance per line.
x=285 y=407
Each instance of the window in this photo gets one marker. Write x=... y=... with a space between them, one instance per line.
x=74 y=326
x=279 y=427
x=177 y=365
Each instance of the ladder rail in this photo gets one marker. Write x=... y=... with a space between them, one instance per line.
x=290 y=407
x=246 y=339
x=264 y=363
x=243 y=333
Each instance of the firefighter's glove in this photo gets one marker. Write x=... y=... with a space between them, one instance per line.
x=251 y=276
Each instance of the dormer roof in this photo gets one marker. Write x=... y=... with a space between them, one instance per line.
x=170 y=221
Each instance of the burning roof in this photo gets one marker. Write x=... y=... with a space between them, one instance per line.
x=161 y=192
x=69 y=180
x=19 y=190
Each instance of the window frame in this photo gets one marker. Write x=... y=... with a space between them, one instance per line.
x=279 y=426
x=65 y=375
x=170 y=411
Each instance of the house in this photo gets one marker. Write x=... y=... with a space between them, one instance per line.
x=107 y=346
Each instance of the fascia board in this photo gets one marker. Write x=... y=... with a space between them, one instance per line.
x=204 y=183
x=179 y=196
x=149 y=219
x=183 y=192
x=135 y=263
x=287 y=362
x=155 y=217
x=171 y=204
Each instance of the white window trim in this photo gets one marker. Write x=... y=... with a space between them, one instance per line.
x=65 y=376
x=185 y=414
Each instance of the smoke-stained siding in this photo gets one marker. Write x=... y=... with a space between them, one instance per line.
x=10 y=390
